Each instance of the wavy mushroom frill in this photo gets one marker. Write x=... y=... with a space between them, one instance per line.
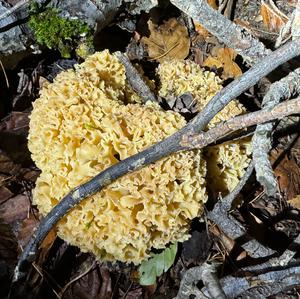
x=226 y=163
x=80 y=126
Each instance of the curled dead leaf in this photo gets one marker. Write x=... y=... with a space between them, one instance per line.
x=201 y=30
x=224 y=58
x=167 y=41
x=295 y=202
x=287 y=173
x=272 y=17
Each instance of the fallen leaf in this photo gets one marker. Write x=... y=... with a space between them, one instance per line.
x=295 y=202
x=167 y=41
x=132 y=294
x=156 y=265
x=5 y=193
x=224 y=58
x=15 y=121
x=292 y=2
x=46 y=245
x=213 y=4
x=288 y=175
x=15 y=209
x=227 y=243
x=85 y=282
x=290 y=227
x=272 y=17
x=8 y=257
x=201 y=30
x=7 y=166
x=213 y=62
x=246 y=25
x=106 y=288
x=25 y=230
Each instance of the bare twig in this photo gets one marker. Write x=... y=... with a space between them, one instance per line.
x=155 y=152
x=262 y=142
x=12 y=10
x=135 y=80
x=231 y=227
x=283 y=260
x=271 y=280
x=288 y=254
x=4 y=73
x=269 y=289
x=241 y=122
x=234 y=36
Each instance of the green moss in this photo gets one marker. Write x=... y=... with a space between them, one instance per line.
x=56 y=32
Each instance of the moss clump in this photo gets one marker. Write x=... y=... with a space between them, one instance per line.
x=59 y=33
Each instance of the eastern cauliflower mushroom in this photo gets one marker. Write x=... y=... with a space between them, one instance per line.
x=226 y=163
x=79 y=126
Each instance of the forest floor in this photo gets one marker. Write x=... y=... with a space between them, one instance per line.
x=246 y=243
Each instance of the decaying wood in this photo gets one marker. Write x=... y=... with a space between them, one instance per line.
x=135 y=80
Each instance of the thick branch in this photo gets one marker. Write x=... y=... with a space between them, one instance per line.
x=157 y=151
x=231 y=34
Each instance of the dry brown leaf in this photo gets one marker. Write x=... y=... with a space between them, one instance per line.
x=167 y=41
x=7 y=166
x=5 y=193
x=25 y=229
x=201 y=30
x=46 y=246
x=295 y=202
x=272 y=17
x=288 y=175
x=15 y=209
x=8 y=257
x=212 y=62
x=224 y=58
